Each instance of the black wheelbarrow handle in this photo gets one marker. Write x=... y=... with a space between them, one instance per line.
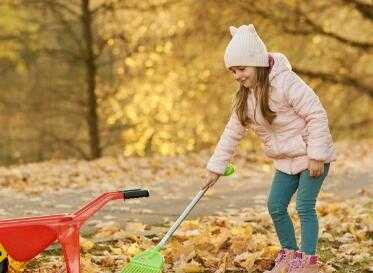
x=135 y=193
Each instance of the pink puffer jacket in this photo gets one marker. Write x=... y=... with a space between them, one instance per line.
x=299 y=132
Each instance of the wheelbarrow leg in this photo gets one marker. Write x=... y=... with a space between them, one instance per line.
x=69 y=241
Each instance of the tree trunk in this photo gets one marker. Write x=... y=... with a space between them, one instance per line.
x=92 y=117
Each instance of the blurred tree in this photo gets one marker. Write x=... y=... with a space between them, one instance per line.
x=322 y=19
x=152 y=72
x=79 y=38
x=327 y=42
x=338 y=35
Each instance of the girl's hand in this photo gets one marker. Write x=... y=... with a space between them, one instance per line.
x=211 y=179
x=316 y=167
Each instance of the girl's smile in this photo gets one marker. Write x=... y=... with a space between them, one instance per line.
x=245 y=75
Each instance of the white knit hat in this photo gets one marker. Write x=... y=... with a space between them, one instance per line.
x=246 y=48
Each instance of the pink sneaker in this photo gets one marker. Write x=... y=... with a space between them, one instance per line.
x=303 y=264
x=282 y=261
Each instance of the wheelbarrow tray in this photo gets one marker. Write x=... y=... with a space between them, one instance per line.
x=24 y=238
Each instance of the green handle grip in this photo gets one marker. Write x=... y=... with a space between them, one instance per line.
x=229 y=170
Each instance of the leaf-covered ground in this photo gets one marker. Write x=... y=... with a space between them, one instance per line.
x=234 y=240
x=61 y=174
x=242 y=241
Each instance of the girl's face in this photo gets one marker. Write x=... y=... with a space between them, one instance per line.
x=245 y=75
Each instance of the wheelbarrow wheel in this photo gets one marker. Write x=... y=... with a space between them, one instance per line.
x=4 y=266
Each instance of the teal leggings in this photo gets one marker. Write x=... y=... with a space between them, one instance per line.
x=283 y=188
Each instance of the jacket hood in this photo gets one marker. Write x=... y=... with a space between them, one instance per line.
x=281 y=64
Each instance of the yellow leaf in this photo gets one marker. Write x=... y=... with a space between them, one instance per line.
x=116 y=250
x=248 y=264
x=190 y=224
x=244 y=231
x=15 y=266
x=133 y=249
x=269 y=252
x=85 y=244
x=190 y=268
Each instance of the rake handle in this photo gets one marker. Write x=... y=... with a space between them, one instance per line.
x=228 y=171
x=182 y=217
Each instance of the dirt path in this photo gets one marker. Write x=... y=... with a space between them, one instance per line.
x=168 y=198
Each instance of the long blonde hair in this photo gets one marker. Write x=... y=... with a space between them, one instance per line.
x=261 y=93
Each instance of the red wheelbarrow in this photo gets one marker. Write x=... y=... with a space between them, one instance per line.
x=24 y=238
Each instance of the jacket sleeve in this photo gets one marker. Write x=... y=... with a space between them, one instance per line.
x=229 y=140
x=307 y=105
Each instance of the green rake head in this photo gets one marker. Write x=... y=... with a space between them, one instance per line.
x=150 y=261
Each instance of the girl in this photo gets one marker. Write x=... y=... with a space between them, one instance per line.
x=288 y=117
